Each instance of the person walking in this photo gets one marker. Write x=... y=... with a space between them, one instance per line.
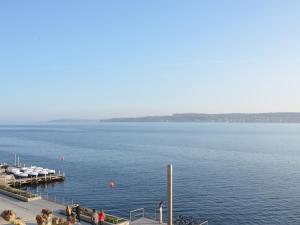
x=101 y=217
x=94 y=217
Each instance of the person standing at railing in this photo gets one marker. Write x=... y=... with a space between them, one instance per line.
x=101 y=217
x=68 y=211
x=94 y=217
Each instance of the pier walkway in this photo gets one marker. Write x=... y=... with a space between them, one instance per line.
x=28 y=210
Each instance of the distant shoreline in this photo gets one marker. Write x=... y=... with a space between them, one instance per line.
x=276 y=117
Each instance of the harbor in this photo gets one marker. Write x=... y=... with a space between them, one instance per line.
x=16 y=175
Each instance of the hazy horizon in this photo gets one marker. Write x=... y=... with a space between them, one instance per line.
x=124 y=117
x=136 y=58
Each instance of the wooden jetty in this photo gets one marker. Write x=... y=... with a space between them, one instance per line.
x=36 y=180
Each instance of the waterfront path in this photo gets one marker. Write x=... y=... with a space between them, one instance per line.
x=28 y=210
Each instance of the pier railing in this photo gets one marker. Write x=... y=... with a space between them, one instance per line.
x=136 y=214
x=147 y=213
x=62 y=200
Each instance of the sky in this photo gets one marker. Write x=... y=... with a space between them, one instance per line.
x=115 y=58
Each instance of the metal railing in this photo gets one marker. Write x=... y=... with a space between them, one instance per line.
x=137 y=213
x=55 y=199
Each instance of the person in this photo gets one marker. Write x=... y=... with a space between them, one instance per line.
x=161 y=203
x=78 y=211
x=101 y=217
x=94 y=217
x=68 y=211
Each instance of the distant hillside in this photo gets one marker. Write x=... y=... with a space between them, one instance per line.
x=226 y=117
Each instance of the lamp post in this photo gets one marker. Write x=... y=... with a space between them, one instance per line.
x=170 y=193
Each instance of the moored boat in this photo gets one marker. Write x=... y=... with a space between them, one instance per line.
x=51 y=171
x=33 y=173
x=43 y=172
x=22 y=175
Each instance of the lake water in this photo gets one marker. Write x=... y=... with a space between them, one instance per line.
x=226 y=173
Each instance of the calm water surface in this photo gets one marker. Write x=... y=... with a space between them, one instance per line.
x=227 y=173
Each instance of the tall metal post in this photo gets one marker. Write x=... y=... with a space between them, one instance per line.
x=160 y=215
x=170 y=194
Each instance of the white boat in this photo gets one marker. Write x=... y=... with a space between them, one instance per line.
x=17 y=172
x=33 y=173
x=24 y=168
x=51 y=171
x=43 y=172
x=12 y=169
x=28 y=171
x=23 y=175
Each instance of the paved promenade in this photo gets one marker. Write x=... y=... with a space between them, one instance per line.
x=28 y=210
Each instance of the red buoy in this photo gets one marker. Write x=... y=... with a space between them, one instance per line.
x=112 y=184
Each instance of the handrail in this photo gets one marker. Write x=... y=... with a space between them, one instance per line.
x=137 y=210
x=139 y=214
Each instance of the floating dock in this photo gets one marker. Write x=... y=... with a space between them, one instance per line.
x=36 y=180
x=9 y=176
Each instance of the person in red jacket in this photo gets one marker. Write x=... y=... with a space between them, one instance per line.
x=101 y=217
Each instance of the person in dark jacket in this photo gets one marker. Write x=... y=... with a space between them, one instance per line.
x=78 y=212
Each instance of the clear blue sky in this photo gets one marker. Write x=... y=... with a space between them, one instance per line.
x=101 y=59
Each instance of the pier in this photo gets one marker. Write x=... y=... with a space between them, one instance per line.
x=16 y=176
x=36 y=180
